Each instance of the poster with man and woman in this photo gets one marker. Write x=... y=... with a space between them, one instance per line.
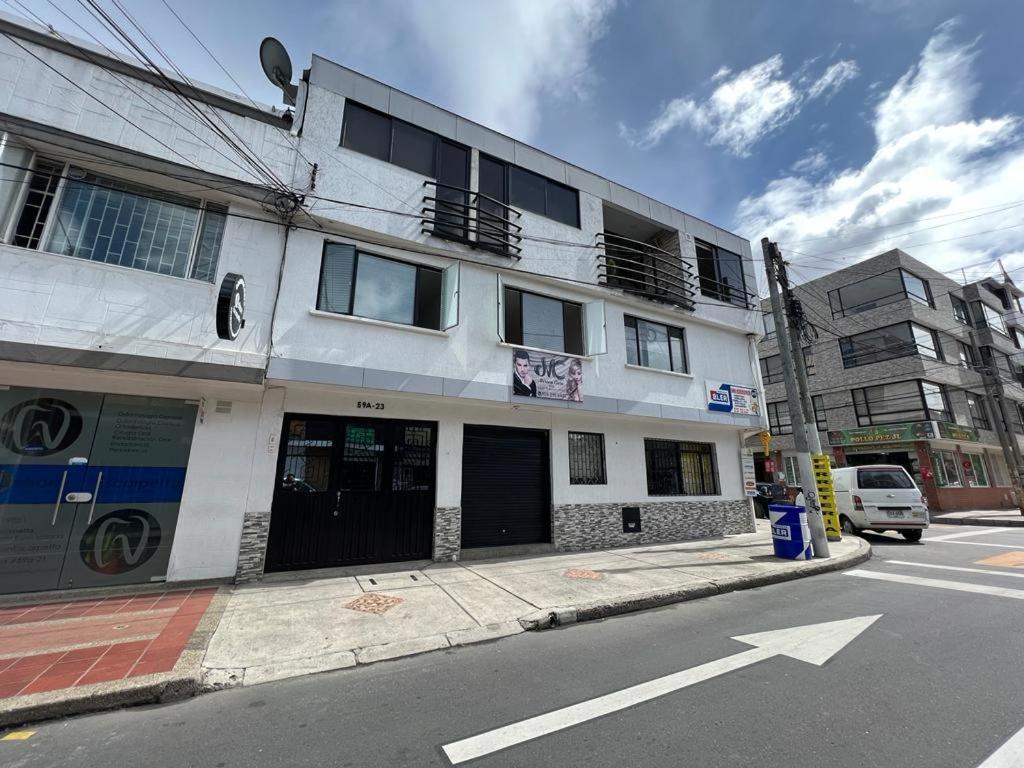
x=542 y=374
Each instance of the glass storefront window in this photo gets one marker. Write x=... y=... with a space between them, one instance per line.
x=947 y=469
x=979 y=474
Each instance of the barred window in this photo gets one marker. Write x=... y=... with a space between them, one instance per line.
x=676 y=468
x=586 y=459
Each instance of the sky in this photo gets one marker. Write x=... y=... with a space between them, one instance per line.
x=838 y=128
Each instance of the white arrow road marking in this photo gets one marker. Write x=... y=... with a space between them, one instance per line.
x=967 y=534
x=986 y=571
x=1010 y=755
x=959 y=586
x=814 y=643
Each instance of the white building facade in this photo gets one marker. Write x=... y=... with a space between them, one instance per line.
x=456 y=342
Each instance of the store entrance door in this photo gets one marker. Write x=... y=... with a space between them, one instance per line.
x=90 y=487
x=352 y=491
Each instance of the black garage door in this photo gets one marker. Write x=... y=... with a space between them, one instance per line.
x=505 y=487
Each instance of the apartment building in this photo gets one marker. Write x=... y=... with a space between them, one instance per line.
x=451 y=339
x=895 y=376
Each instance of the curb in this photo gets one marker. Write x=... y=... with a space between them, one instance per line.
x=555 y=617
x=1013 y=522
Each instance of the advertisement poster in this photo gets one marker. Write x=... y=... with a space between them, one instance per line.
x=542 y=374
x=733 y=398
x=749 y=479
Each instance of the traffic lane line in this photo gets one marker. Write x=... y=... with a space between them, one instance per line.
x=1010 y=755
x=967 y=534
x=958 y=586
x=962 y=569
x=979 y=544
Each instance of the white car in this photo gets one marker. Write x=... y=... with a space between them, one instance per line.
x=879 y=497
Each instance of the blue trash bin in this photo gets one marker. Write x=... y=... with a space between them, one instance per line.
x=791 y=536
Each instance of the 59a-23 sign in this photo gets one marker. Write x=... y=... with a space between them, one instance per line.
x=733 y=398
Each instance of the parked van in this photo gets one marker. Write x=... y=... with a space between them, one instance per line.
x=880 y=497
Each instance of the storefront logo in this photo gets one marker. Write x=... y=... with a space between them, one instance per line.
x=40 y=427
x=120 y=541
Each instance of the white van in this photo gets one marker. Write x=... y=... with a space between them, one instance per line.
x=880 y=497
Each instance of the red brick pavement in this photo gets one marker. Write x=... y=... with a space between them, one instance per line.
x=62 y=645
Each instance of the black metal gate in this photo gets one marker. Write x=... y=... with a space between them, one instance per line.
x=352 y=491
x=506 y=482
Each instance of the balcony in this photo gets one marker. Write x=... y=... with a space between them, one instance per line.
x=644 y=269
x=464 y=216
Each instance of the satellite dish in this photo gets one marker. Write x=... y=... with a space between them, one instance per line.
x=278 y=68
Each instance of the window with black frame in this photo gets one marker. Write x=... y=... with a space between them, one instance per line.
x=506 y=184
x=771 y=369
x=966 y=356
x=720 y=273
x=913 y=400
x=989 y=317
x=676 y=468
x=779 y=421
x=878 y=291
x=888 y=343
x=654 y=345
x=820 y=413
x=542 y=322
x=366 y=285
x=961 y=312
x=976 y=406
x=586 y=459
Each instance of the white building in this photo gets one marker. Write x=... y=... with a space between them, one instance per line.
x=431 y=257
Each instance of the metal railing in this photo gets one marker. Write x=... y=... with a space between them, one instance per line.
x=644 y=270
x=459 y=214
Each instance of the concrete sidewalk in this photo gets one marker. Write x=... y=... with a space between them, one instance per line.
x=317 y=621
x=997 y=517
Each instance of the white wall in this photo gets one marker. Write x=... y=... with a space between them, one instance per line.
x=624 y=446
x=70 y=302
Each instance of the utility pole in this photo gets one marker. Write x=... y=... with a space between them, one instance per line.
x=819 y=540
x=999 y=412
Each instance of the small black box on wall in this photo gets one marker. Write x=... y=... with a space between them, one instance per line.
x=631 y=519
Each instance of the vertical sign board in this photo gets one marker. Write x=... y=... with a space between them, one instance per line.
x=749 y=481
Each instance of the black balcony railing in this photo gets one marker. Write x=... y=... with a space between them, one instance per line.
x=477 y=220
x=644 y=270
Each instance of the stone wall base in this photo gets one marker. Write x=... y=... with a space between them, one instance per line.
x=447 y=533
x=253 y=548
x=578 y=527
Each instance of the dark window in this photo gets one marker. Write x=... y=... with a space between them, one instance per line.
x=365 y=285
x=42 y=188
x=998 y=361
x=883 y=478
x=913 y=400
x=961 y=312
x=769 y=325
x=538 y=321
x=586 y=459
x=978 y=411
x=967 y=357
x=779 y=422
x=680 y=468
x=533 y=192
x=721 y=274
x=988 y=317
x=892 y=341
x=1017 y=414
x=366 y=131
x=877 y=291
x=653 y=345
x=211 y=235
x=771 y=369
x=808 y=361
x=404 y=144
x=820 y=414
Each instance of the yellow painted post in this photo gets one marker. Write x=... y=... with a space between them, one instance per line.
x=826 y=496
x=766 y=443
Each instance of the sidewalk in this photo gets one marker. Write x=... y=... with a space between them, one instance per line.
x=66 y=658
x=319 y=621
x=999 y=517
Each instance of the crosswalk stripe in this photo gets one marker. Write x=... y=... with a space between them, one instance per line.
x=981 y=589
x=1010 y=755
x=967 y=534
x=986 y=571
x=977 y=543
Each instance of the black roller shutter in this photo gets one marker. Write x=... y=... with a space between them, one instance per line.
x=505 y=487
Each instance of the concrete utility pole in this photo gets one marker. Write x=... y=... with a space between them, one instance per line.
x=999 y=413
x=819 y=540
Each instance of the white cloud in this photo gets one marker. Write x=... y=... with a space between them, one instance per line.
x=493 y=62
x=933 y=160
x=833 y=78
x=745 y=107
x=813 y=162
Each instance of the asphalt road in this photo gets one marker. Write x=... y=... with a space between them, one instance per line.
x=937 y=681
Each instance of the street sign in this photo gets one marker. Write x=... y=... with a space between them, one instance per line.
x=813 y=643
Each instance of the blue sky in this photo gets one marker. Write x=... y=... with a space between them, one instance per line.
x=839 y=128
